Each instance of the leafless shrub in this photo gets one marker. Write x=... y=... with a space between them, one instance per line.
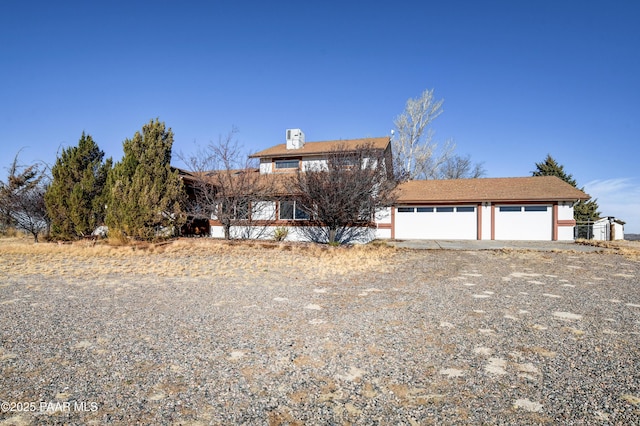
x=225 y=185
x=340 y=196
x=22 y=203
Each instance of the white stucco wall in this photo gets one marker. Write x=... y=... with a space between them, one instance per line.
x=216 y=231
x=565 y=211
x=565 y=233
x=383 y=216
x=313 y=163
x=295 y=233
x=486 y=221
x=383 y=234
x=307 y=163
x=265 y=166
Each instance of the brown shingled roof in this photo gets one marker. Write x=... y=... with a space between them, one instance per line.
x=519 y=189
x=314 y=148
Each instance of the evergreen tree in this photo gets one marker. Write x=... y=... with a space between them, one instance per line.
x=145 y=195
x=583 y=211
x=75 y=199
x=550 y=167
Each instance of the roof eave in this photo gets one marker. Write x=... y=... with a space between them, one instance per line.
x=486 y=200
x=298 y=153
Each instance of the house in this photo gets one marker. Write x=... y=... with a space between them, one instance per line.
x=277 y=208
x=608 y=229
x=520 y=208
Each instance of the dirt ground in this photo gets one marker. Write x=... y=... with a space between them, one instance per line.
x=208 y=332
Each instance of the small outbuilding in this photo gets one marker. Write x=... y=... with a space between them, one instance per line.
x=608 y=229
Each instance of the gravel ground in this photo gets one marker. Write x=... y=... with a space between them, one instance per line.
x=425 y=337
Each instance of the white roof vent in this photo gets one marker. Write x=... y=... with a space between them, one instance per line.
x=295 y=139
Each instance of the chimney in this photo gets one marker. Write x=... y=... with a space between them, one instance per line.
x=295 y=139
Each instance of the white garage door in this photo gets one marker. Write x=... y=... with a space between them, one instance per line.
x=436 y=222
x=524 y=223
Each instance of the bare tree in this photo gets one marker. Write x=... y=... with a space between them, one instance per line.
x=341 y=196
x=459 y=167
x=22 y=199
x=225 y=185
x=416 y=155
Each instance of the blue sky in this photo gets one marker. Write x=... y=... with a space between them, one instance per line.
x=520 y=79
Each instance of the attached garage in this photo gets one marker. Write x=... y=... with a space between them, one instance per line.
x=523 y=222
x=525 y=208
x=436 y=222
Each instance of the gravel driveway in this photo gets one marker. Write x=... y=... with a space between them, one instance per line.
x=291 y=336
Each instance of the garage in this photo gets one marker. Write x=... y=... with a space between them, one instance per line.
x=436 y=222
x=537 y=208
x=523 y=222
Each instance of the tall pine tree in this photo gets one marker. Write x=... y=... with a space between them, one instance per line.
x=583 y=211
x=145 y=195
x=75 y=199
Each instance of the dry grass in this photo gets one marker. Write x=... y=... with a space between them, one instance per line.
x=187 y=258
x=205 y=257
x=11 y=233
x=628 y=249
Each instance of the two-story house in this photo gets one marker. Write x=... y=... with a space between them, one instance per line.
x=280 y=163
x=520 y=208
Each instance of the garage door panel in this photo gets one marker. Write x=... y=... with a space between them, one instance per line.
x=436 y=222
x=533 y=222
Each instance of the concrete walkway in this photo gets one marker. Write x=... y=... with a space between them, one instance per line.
x=494 y=245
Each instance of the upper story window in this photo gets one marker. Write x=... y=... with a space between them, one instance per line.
x=348 y=161
x=286 y=164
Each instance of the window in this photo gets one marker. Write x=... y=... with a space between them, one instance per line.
x=299 y=213
x=242 y=210
x=290 y=210
x=349 y=161
x=444 y=209
x=535 y=208
x=466 y=209
x=286 y=164
x=406 y=209
x=425 y=209
x=286 y=210
x=510 y=209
